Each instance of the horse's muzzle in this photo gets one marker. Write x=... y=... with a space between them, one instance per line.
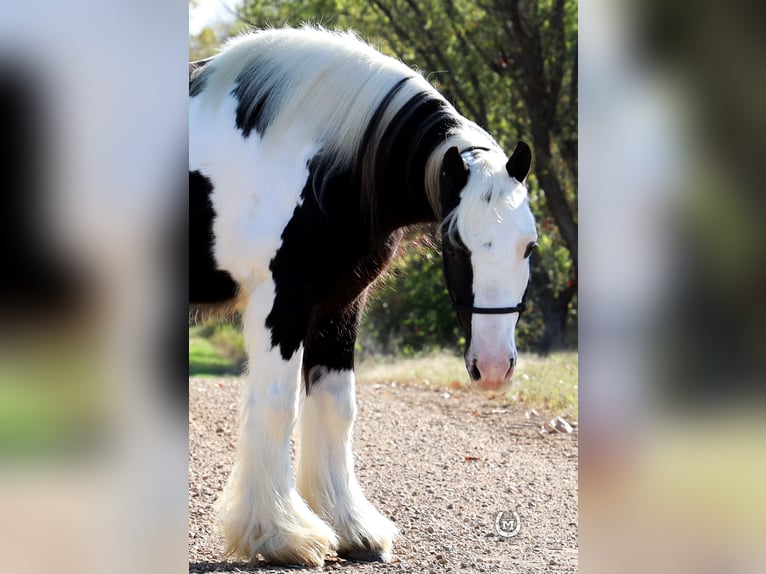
x=490 y=373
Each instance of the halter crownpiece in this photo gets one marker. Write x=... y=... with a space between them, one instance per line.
x=474 y=148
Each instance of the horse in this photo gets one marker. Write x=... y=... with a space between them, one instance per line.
x=309 y=153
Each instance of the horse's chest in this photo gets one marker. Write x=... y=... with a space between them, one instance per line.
x=257 y=184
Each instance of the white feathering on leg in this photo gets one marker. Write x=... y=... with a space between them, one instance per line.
x=326 y=477
x=260 y=510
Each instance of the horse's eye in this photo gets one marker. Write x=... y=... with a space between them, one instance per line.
x=530 y=248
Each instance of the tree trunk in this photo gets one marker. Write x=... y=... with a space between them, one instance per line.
x=551 y=185
x=553 y=322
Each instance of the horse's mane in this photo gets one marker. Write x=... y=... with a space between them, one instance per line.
x=336 y=89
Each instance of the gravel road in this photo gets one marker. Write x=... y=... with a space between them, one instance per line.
x=441 y=464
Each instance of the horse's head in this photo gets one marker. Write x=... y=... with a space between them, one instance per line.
x=487 y=236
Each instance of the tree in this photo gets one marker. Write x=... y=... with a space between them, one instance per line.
x=204 y=44
x=526 y=50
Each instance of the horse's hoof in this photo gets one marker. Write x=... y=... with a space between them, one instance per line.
x=367 y=537
x=364 y=548
x=364 y=555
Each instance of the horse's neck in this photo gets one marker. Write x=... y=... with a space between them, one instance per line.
x=401 y=196
x=402 y=204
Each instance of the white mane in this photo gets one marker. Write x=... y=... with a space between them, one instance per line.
x=332 y=83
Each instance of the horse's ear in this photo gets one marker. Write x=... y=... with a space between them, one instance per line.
x=454 y=168
x=520 y=162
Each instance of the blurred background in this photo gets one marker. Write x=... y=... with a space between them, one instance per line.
x=672 y=435
x=93 y=311
x=664 y=306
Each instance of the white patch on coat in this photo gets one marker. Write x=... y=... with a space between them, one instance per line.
x=257 y=184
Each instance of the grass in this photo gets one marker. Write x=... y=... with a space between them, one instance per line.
x=441 y=369
x=548 y=383
x=215 y=351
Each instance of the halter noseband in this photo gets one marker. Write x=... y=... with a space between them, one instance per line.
x=520 y=308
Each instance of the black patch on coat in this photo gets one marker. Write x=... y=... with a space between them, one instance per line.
x=207 y=283
x=377 y=117
x=520 y=161
x=397 y=164
x=458 y=275
x=330 y=341
x=325 y=262
x=198 y=73
x=331 y=252
x=256 y=104
x=456 y=258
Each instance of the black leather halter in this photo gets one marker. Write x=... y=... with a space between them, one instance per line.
x=520 y=308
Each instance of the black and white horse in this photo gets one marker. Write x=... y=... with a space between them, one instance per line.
x=308 y=153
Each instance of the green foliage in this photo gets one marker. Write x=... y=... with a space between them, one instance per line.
x=410 y=311
x=550 y=382
x=554 y=258
x=216 y=348
x=205 y=44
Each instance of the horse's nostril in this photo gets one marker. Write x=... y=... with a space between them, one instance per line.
x=512 y=364
x=473 y=370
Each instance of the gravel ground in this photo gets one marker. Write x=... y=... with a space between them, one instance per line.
x=440 y=464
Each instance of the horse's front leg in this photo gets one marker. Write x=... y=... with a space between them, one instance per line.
x=260 y=510
x=326 y=477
